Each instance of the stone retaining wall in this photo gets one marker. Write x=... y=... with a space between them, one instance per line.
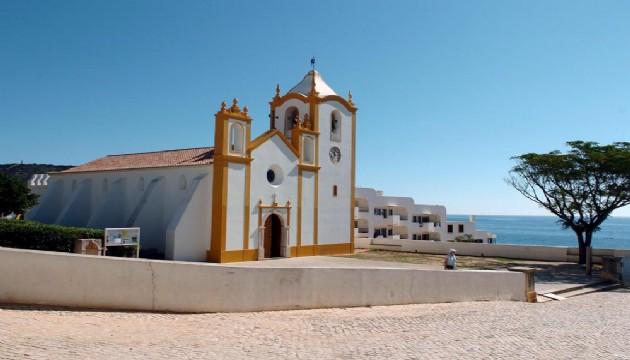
x=73 y=280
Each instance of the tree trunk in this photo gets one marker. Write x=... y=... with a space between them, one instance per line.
x=587 y=244
x=582 y=247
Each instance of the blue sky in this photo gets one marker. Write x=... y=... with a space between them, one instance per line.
x=447 y=91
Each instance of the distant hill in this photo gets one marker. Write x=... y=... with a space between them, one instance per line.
x=25 y=171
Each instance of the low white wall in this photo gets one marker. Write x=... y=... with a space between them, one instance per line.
x=528 y=252
x=34 y=277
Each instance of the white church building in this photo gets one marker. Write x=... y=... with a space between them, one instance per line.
x=285 y=193
x=288 y=192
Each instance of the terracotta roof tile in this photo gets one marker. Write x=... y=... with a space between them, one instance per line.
x=158 y=159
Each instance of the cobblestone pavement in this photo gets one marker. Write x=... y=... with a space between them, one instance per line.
x=591 y=326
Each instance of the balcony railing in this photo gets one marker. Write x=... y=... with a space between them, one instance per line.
x=429 y=226
x=360 y=234
x=393 y=220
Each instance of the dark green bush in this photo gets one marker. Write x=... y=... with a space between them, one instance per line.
x=37 y=236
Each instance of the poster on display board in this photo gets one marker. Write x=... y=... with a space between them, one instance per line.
x=122 y=236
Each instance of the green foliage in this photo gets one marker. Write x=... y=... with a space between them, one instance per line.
x=37 y=236
x=465 y=238
x=15 y=196
x=582 y=187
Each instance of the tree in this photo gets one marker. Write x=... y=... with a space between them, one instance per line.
x=465 y=238
x=15 y=197
x=582 y=187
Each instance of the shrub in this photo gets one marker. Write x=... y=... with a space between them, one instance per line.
x=37 y=236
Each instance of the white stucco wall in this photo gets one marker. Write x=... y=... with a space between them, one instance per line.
x=273 y=153
x=334 y=213
x=122 y=203
x=235 y=207
x=527 y=252
x=372 y=199
x=34 y=277
x=188 y=233
x=308 y=208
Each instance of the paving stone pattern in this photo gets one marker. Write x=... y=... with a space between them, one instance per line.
x=591 y=326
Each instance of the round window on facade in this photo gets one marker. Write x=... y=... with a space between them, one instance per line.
x=274 y=175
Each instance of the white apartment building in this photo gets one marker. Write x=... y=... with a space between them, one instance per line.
x=392 y=217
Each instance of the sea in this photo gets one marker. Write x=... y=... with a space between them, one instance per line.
x=545 y=230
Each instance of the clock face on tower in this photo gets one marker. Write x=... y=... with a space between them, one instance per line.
x=335 y=154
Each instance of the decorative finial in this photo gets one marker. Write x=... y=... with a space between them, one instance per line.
x=350 y=98
x=223 y=106
x=235 y=107
x=245 y=110
x=278 y=90
x=313 y=63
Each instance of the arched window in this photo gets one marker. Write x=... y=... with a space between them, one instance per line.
x=291 y=118
x=308 y=147
x=182 y=182
x=335 y=126
x=105 y=185
x=141 y=184
x=236 y=138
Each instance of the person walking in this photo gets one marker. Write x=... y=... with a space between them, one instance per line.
x=450 y=261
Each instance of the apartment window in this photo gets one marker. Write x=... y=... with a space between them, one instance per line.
x=380 y=232
x=425 y=237
x=425 y=219
x=389 y=232
x=460 y=228
x=450 y=229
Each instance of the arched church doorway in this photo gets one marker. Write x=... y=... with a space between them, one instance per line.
x=273 y=236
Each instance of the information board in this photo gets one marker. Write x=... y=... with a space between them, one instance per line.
x=122 y=237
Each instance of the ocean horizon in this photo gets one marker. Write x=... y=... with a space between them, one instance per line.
x=545 y=230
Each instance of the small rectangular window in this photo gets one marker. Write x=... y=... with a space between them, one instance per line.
x=460 y=228
x=450 y=229
x=334 y=190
